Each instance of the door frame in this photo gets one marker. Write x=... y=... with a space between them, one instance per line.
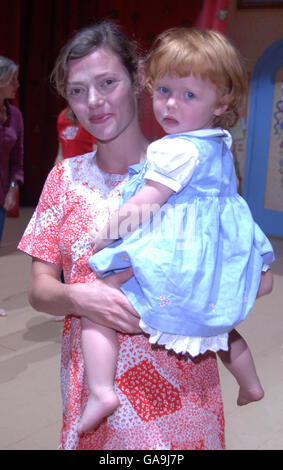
x=258 y=137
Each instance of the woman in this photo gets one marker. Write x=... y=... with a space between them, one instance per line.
x=11 y=141
x=166 y=401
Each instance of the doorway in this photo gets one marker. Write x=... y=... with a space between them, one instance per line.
x=263 y=177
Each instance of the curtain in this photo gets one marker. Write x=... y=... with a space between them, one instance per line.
x=32 y=33
x=10 y=25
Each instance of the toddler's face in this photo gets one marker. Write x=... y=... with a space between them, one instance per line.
x=185 y=104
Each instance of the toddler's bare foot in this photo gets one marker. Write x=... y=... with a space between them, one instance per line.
x=97 y=408
x=249 y=395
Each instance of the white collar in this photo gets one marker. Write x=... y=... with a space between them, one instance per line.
x=215 y=132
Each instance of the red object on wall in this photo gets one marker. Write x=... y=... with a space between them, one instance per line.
x=213 y=15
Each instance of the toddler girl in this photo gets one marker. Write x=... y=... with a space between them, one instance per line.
x=196 y=253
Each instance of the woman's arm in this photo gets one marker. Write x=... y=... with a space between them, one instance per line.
x=100 y=301
x=137 y=210
x=16 y=162
x=17 y=152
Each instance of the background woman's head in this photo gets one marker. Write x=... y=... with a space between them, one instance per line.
x=101 y=35
x=8 y=78
x=206 y=54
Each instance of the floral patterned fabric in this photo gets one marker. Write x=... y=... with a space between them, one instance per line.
x=166 y=401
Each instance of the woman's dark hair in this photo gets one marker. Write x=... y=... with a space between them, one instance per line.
x=103 y=34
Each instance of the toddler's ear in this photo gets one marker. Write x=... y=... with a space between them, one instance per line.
x=223 y=106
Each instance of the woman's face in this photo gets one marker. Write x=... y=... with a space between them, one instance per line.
x=9 y=89
x=101 y=94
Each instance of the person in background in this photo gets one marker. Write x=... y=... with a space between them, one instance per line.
x=73 y=139
x=11 y=141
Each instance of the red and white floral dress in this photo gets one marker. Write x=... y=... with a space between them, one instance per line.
x=166 y=401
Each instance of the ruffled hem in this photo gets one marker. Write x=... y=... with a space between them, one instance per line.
x=193 y=345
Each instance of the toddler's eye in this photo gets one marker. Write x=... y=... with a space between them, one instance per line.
x=189 y=95
x=163 y=90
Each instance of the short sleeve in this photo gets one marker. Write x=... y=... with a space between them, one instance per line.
x=41 y=237
x=171 y=161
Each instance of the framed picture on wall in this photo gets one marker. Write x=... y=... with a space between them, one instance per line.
x=259 y=3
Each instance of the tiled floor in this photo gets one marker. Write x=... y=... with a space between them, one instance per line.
x=30 y=402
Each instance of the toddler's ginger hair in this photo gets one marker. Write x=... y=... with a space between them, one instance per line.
x=204 y=53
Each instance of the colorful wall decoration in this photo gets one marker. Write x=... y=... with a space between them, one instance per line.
x=274 y=180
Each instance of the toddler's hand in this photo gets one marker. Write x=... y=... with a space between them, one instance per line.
x=100 y=239
x=100 y=243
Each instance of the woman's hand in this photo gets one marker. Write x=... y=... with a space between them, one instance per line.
x=10 y=199
x=102 y=301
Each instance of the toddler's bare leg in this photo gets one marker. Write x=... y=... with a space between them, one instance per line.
x=266 y=284
x=100 y=350
x=239 y=361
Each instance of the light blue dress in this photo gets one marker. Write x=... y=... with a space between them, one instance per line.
x=198 y=262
